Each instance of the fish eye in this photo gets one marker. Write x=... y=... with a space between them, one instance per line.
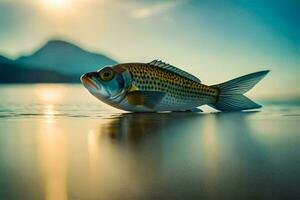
x=106 y=74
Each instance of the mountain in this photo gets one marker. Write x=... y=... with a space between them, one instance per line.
x=66 y=58
x=56 y=61
x=5 y=60
x=15 y=73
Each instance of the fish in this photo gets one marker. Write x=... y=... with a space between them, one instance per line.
x=157 y=86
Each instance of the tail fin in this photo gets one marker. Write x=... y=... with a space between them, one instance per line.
x=231 y=96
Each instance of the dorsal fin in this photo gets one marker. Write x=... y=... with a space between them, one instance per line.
x=159 y=63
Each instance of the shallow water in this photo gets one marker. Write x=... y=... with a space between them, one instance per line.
x=58 y=142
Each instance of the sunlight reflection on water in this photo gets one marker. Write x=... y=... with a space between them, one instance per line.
x=52 y=156
x=59 y=143
x=50 y=93
x=49 y=113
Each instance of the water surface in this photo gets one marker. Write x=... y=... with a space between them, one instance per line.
x=58 y=142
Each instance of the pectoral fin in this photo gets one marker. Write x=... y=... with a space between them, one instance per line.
x=146 y=98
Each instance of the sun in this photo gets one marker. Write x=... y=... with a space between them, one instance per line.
x=55 y=4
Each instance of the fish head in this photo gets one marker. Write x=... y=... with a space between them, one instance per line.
x=108 y=84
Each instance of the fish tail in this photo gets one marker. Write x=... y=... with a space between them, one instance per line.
x=231 y=96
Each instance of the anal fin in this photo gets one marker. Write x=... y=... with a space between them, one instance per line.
x=195 y=110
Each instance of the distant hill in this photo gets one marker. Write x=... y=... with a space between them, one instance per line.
x=56 y=61
x=12 y=73
x=5 y=60
x=65 y=58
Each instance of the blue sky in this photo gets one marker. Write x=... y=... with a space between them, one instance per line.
x=215 y=40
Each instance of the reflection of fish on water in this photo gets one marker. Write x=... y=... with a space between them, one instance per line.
x=214 y=140
x=140 y=140
x=157 y=86
x=133 y=126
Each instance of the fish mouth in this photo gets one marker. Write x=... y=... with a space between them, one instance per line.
x=89 y=82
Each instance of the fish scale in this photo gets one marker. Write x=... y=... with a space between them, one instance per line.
x=180 y=91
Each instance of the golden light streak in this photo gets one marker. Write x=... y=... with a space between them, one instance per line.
x=52 y=154
x=50 y=93
x=93 y=151
x=210 y=145
x=49 y=113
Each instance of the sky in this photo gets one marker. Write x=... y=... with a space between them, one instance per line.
x=214 y=40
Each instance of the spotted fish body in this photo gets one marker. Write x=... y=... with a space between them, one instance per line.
x=157 y=86
x=179 y=93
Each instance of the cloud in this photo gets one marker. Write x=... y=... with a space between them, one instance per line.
x=147 y=11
